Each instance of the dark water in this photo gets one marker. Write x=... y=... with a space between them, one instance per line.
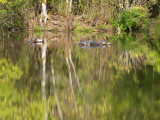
x=59 y=80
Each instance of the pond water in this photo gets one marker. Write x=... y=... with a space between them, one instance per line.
x=59 y=80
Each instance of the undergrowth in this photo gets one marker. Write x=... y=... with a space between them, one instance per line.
x=37 y=28
x=83 y=30
x=135 y=18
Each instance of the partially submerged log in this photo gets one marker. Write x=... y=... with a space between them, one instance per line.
x=93 y=44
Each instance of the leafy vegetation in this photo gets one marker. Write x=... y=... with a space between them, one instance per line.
x=135 y=18
x=17 y=15
x=118 y=82
x=37 y=28
x=83 y=30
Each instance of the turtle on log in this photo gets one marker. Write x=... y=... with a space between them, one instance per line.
x=93 y=44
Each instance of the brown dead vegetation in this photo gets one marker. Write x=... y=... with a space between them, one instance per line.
x=63 y=23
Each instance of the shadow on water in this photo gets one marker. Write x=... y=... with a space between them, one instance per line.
x=55 y=79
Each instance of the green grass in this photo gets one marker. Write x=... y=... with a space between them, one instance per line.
x=101 y=27
x=37 y=28
x=2 y=11
x=83 y=30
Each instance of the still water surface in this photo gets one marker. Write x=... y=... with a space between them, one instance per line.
x=59 y=80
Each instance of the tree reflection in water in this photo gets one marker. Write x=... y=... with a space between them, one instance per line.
x=43 y=82
x=69 y=63
x=55 y=90
x=116 y=82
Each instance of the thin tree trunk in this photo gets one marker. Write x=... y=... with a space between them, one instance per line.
x=43 y=17
x=36 y=6
x=128 y=5
x=134 y=2
x=70 y=6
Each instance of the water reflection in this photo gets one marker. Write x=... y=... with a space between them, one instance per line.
x=55 y=91
x=58 y=80
x=93 y=44
x=43 y=82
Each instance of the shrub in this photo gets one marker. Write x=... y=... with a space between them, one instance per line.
x=14 y=13
x=129 y=20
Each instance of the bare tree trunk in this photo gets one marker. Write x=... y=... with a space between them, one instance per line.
x=134 y=2
x=128 y=5
x=36 y=8
x=69 y=5
x=43 y=17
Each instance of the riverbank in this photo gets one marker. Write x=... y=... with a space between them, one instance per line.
x=78 y=24
x=79 y=17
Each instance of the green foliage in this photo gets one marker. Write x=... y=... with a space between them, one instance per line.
x=101 y=27
x=15 y=13
x=3 y=1
x=8 y=71
x=37 y=28
x=16 y=102
x=83 y=30
x=110 y=90
x=153 y=56
x=130 y=20
x=155 y=28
